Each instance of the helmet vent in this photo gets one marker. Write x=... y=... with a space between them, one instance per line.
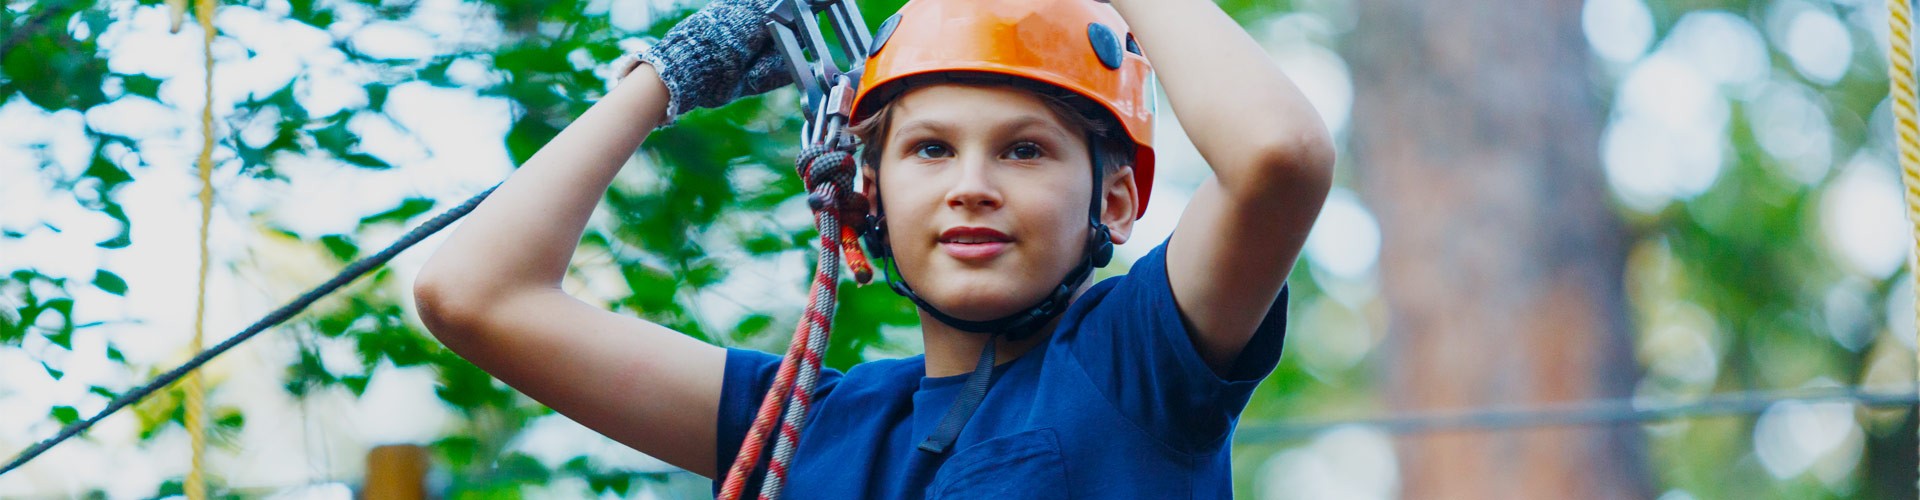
x=1106 y=46
x=885 y=32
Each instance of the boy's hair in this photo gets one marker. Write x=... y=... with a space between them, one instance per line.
x=1113 y=147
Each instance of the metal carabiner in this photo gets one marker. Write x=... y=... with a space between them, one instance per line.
x=827 y=88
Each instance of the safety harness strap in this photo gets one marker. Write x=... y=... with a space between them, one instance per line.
x=969 y=401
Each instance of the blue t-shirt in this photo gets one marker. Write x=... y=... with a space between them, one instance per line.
x=1117 y=404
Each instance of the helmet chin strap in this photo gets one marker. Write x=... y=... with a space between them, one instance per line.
x=1019 y=325
x=1016 y=326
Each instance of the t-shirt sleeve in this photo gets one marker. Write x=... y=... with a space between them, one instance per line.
x=1134 y=345
x=749 y=374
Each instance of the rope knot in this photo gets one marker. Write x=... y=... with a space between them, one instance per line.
x=828 y=171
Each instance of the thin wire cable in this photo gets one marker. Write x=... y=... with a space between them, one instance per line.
x=1900 y=81
x=1582 y=413
x=195 y=389
x=346 y=275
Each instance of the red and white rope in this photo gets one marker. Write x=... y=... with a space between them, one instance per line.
x=828 y=174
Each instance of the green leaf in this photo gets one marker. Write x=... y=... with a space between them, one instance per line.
x=110 y=174
x=364 y=160
x=703 y=275
x=752 y=324
x=171 y=488
x=52 y=70
x=397 y=344
x=400 y=213
x=102 y=392
x=231 y=420
x=458 y=452
x=377 y=95
x=527 y=136
x=119 y=241
x=63 y=336
x=125 y=237
x=308 y=374
x=109 y=282
x=467 y=387
x=142 y=85
x=66 y=415
x=340 y=246
x=355 y=383
x=335 y=138
x=768 y=243
x=652 y=288
x=56 y=374
x=609 y=483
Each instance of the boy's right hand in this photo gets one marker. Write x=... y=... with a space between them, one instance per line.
x=719 y=54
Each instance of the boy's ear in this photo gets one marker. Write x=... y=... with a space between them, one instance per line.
x=1119 y=197
x=870 y=187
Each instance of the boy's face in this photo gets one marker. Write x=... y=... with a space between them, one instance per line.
x=986 y=194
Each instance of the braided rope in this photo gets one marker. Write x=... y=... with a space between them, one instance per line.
x=1900 y=77
x=195 y=388
x=828 y=174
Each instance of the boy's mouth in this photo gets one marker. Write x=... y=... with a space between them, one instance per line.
x=973 y=243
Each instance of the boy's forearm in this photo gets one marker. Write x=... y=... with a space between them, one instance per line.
x=525 y=234
x=1245 y=116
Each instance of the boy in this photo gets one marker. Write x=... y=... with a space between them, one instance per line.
x=1007 y=146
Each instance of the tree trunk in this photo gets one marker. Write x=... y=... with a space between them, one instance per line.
x=1476 y=132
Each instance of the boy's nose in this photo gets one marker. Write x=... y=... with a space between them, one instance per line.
x=975 y=186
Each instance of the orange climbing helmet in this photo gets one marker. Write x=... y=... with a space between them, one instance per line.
x=1081 y=46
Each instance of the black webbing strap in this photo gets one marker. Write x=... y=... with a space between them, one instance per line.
x=963 y=407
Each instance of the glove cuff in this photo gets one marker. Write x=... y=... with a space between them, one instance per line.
x=663 y=65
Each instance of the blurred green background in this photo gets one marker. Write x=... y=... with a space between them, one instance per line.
x=1539 y=201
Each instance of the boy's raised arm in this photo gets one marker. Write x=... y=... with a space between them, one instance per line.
x=1272 y=159
x=492 y=292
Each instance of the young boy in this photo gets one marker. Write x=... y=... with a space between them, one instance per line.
x=1006 y=143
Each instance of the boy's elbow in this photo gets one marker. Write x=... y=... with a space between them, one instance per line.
x=449 y=313
x=1296 y=161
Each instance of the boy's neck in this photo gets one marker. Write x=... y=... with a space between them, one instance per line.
x=955 y=352
x=952 y=351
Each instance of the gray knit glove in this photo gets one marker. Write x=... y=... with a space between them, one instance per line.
x=717 y=55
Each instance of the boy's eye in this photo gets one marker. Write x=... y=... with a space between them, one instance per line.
x=932 y=150
x=1024 y=151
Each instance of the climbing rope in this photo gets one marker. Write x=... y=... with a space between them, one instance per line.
x=1900 y=78
x=345 y=276
x=195 y=399
x=826 y=167
x=828 y=174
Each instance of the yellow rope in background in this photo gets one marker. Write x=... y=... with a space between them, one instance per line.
x=1900 y=73
x=194 y=387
